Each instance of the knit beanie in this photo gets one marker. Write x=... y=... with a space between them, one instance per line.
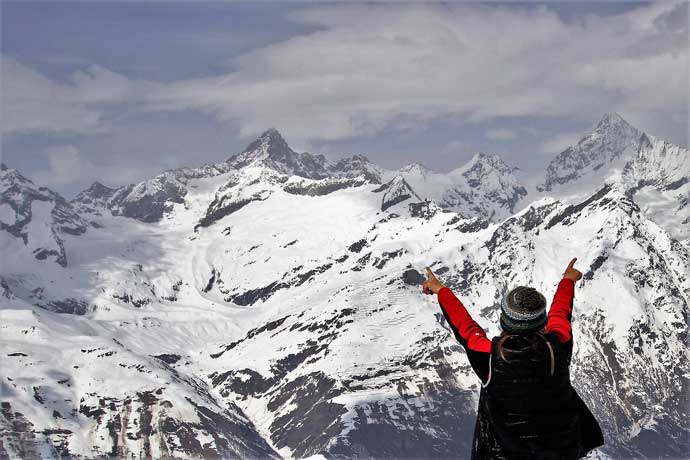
x=523 y=310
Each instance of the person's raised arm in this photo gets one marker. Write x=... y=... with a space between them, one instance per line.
x=560 y=313
x=470 y=334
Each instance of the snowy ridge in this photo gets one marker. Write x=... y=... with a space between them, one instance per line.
x=148 y=201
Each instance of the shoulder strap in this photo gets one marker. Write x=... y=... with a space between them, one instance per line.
x=488 y=379
x=553 y=359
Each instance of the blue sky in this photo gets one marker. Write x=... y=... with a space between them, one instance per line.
x=117 y=92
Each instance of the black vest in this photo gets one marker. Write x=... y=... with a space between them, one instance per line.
x=528 y=408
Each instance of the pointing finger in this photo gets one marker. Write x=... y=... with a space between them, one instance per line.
x=430 y=273
x=572 y=262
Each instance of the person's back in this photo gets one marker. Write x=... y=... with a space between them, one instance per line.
x=527 y=406
x=531 y=412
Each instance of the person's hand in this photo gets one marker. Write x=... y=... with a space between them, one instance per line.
x=572 y=273
x=432 y=285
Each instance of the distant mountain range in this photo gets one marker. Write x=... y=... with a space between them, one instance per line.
x=270 y=306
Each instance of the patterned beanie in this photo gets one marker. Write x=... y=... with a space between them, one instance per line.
x=523 y=310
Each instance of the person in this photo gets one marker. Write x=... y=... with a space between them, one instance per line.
x=528 y=408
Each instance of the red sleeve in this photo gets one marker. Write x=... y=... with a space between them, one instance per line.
x=561 y=310
x=462 y=322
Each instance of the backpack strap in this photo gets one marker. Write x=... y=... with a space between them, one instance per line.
x=484 y=385
x=553 y=359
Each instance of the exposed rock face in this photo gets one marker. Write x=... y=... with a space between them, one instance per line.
x=324 y=186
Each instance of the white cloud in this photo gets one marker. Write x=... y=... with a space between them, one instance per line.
x=456 y=148
x=500 y=134
x=67 y=165
x=558 y=143
x=369 y=66
x=33 y=102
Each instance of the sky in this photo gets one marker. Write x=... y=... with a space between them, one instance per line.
x=118 y=92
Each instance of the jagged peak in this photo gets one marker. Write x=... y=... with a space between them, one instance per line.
x=484 y=157
x=95 y=190
x=271 y=140
x=611 y=117
x=98 y=186
x=272 y=151
x=486 y=160
x=13 y=175
x=395 y=191
x=613 y=120
x=412 y=167
x=360 y=157
x=356 y=158
x=272 y=134
x=269 y=144
x=396 y=182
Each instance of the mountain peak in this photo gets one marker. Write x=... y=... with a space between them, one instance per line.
x=612 y=117
x=483 y=157
x=613 y=121
x=270 y=143
x=415 y=167
x=272 y=134
x=611 y=142
x=271 y=150
x=486 y=160
x=98 y=190
x=396 y=191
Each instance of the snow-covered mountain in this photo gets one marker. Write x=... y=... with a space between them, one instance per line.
x=658 y=178
x=147 y=201
x=34 y=219
x=150 y=200
x=485 y=187
x=654 y=172
x=271 y=150
x=608 y=146
x=270 y=306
